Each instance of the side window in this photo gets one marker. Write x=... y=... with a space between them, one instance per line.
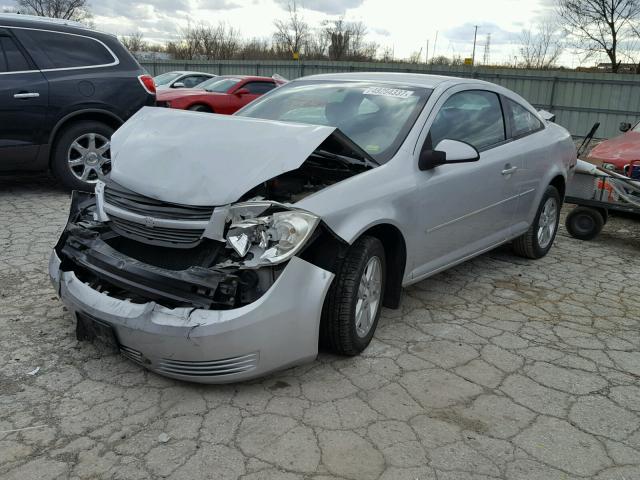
x=11 y=58
x=473 y=116
x=522 y=120
x=193 y=80
x=258 y=88
x=60 y=50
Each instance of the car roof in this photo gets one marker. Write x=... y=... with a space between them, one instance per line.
x=413 y=79
x=188 y=72
x=55 y=24
x=246 y=77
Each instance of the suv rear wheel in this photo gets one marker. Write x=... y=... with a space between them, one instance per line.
x=82 y=153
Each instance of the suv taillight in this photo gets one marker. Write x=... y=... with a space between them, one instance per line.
x=148 y=84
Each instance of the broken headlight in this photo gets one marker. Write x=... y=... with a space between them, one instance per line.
x=268 y=239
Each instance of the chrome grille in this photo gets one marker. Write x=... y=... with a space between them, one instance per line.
x=121 y=197
x=152 y=221
x=174 y=237
x=211 y=368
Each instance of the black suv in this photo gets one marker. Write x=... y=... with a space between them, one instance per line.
x=64 y=89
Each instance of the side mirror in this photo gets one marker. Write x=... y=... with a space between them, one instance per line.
x=625 y=126
x=448 y=151
x=178 y=85
x=242 y=91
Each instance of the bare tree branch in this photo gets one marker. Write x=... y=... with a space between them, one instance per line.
x=598 y=26
x=77 y=10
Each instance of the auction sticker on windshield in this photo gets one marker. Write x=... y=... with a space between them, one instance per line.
x=388 y=92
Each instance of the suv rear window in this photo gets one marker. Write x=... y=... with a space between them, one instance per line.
x=11 y=59
x=64 y=50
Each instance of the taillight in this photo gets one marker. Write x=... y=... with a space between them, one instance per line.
x=148 y=83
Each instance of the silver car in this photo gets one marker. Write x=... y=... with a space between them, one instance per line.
x=221 y=248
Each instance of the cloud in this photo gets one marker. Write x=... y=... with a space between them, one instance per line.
x=381 y=31
x=464 y=33
x=330 y=7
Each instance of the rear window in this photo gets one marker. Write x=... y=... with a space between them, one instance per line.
x=523 y=122
x=11 y=58
x=63 y=50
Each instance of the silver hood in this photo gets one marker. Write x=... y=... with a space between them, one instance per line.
x=203 y=159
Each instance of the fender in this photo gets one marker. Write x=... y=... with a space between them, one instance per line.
x=83 y=111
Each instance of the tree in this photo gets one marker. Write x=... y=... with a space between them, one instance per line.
x=541 y=48
x=347 y=40
x=599 y=26
x=134 y=42
x=77 y=10
x=292 y=33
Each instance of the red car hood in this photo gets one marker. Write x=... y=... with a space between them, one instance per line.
x=618 y=151
x=172 y=94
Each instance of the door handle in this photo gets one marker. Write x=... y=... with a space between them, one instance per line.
x=509 y=170
x=26 y=95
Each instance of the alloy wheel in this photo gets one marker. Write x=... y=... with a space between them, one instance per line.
x=547 y=222
x=369 y=291
x=89 y=157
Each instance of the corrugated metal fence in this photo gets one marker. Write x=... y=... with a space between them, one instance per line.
x=578 y=99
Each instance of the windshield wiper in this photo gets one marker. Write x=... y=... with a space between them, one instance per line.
x=345 y=160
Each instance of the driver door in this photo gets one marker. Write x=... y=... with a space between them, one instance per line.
x=468 y=207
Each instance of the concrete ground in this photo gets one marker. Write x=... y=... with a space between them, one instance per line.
x=501 y=368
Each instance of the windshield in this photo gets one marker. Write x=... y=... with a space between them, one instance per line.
x=377 y=117
x=165 y=78
x=220 y=85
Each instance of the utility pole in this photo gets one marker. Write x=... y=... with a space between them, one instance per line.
x=473 y=56
x=435 y=44
x=426 y=55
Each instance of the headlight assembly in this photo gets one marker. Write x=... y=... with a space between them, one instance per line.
x=268 y=239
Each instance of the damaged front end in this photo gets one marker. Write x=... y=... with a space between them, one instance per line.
x=225 y=262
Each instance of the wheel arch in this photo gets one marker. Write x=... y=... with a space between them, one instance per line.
x=395 y=249
x=560 y=184
x=99 y=115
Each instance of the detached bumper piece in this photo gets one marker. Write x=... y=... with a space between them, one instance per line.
x=211 y=346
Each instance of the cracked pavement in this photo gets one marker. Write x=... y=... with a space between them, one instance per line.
x=501 y=368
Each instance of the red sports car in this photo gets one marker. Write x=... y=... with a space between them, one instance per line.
x=224 y=94
x=619 y=152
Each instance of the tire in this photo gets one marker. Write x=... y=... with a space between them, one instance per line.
x=532 y=244
x=339 y=330
x=200 y=108
x=584 y=223
x=94 y=160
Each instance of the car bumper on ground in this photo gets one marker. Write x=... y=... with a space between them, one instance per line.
x=278 y=330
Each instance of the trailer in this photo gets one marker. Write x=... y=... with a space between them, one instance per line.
x=596 y=191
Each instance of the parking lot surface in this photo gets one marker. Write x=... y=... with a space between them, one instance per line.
x=499 y=368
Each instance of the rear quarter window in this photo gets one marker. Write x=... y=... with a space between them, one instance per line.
x=523 y=122
x=52 y=50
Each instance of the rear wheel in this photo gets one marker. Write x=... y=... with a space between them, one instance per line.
x=81 y=154
x=584 y=223
x=200 y=108
x=353 y=304
x=537 y=241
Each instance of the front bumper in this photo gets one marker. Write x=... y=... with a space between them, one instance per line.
x=278 y=330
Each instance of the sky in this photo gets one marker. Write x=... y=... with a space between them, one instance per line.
x=405 y=26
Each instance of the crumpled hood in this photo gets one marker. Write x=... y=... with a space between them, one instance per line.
x=205 y=159
x=620 y=150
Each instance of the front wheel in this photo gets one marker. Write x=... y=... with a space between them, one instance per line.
x=352 y=308
x=537 y=241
